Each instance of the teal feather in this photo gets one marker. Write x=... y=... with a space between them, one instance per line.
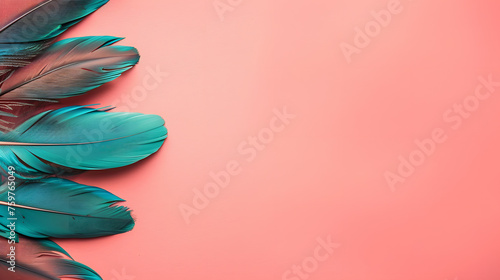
x=60 y=208
x=57 y=16
x=42 y=259
x=79 y=138
x=26 y=33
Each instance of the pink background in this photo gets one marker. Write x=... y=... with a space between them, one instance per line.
x=323 y=175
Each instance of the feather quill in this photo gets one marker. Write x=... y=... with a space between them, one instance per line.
x=42 y=259
x=79 y=138
x=61 y=208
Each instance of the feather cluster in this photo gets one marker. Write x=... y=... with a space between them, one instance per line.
x=37 y=148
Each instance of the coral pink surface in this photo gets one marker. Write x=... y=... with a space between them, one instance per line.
x=348 y=140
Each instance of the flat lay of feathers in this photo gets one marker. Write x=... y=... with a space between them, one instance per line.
x=37 y=149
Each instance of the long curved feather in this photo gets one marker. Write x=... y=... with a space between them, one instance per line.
x=68 y=68
x=41 y=259
x=26 y=29
x=79 y=138
x=61 y=208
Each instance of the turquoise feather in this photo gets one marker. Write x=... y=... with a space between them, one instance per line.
x=79 y=138
x=41 y=259
x=57 y=16
x=24 y=35
x=60 y=208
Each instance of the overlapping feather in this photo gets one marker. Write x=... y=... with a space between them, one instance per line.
x=60 y=208
x=26 y=32
x=41 y=259
x=68 y=68
x=79 y=138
